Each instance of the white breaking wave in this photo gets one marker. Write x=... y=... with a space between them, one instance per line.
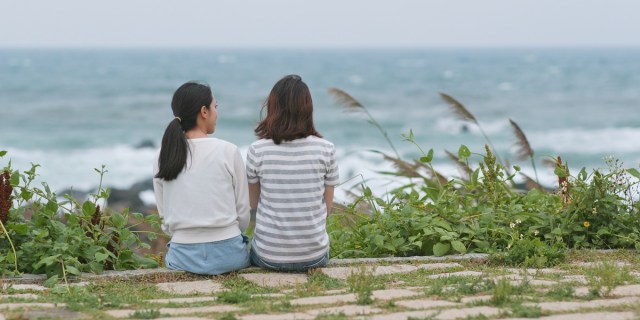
x=585 y=141
x=75 y=168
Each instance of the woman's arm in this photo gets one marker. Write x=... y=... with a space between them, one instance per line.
x=254 y=196
x=328 y=198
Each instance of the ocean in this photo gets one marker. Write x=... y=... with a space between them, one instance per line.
x=72 y=110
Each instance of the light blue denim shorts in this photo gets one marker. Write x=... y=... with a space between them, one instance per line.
x=209 y=258
x=256 y=260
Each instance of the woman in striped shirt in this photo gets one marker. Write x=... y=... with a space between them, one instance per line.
x=291 y=172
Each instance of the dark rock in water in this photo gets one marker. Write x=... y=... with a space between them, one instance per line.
x=125 y=198
x=145 y=144
x=143 y=185
x=118 y=198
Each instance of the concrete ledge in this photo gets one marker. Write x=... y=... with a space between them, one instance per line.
x=164 y=273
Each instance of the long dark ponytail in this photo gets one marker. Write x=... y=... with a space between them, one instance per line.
x=186 y=104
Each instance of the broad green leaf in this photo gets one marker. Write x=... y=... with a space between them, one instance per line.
x=441 y=249
x=367 y=192
x=15 y=178
x=20 y=228
x=2 y=153
x=516 y=168
x=52 y=281
x=118 y=220
x=481 y=244
x=47 y=261
x=88 y=208
x=428 y=157
x=72 y=270
x=561 y=172
x=583 y=174
x=463 y=153
x=458 y=246
x=633 y=172
x=137 y=215
x=101 y=256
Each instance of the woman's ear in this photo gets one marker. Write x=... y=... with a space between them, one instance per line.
x=203 y=111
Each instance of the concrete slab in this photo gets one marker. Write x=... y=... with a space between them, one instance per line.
x=566 y=306
x=19 y=296
x=177 y=311
x=391 y=294
x=190 y=287
x=618 y=264
x=33 y=287
x=348 y=310
x=586 y=316
x=463 y=313
x=425 y=304
x=456 y=274
x=628 y=290
x=575 y=278
x=324 y=299
x=33 y=305
x=343 y=273
x=183 y=318
x=532 y=271
x=399 y=268
x=282 y=316
x=275 y=280
x=401 y=315
x=53 y=314
x=183 y=300
x=434 y=266
x=472 y=299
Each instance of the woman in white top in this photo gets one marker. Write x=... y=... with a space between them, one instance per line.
x=201 y=189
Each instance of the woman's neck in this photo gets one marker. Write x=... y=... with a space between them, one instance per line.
x=195 y=134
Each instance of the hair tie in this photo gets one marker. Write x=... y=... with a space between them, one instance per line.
x=179 y=120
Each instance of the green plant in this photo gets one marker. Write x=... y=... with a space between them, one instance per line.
x=332 y=316
x=605 y=276
x=520 y=311
x=362 y=284
x=146 y=314
x=534 y=253
x=227 y=316
x=65 y=238
x=234 y=296
x=502 y=293
x=481 y=211
x=563 y=291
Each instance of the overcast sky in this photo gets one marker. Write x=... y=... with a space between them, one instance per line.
x=319 y=23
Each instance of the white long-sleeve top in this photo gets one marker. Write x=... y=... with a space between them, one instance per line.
x=209 y=200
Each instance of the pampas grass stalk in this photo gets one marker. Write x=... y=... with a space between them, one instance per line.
x=524 y=148
x=351 y=104
x=464 y=115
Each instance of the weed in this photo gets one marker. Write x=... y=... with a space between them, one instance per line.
x=605 y=276
x=234 y=296
x=146 y=314
x=520 y=311
x=320 y=281
x=228 y=316
x=561 y=292
x=362 y=284
x=332 y=316
x=502 y=293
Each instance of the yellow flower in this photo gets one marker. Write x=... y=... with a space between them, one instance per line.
x=586 y=224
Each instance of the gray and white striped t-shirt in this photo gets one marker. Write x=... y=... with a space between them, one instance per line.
x=291 y=215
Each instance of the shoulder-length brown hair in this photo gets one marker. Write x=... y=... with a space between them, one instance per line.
x=289 y=112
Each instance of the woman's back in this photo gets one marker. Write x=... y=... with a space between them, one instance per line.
x=199 y=205
x=291 y=213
